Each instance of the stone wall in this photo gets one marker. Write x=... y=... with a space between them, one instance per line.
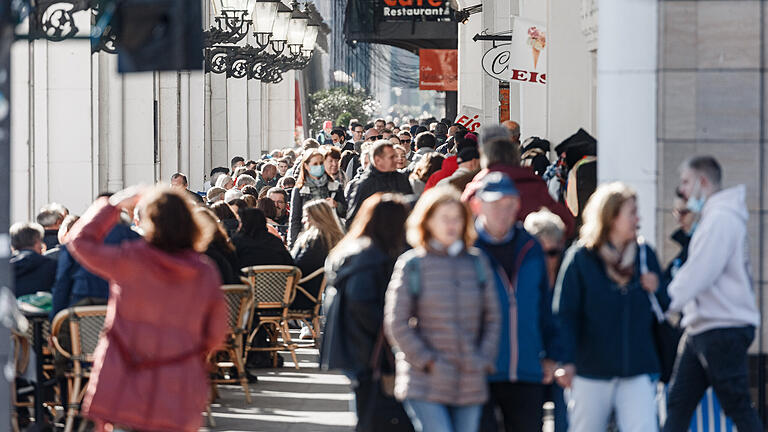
x=712 y=98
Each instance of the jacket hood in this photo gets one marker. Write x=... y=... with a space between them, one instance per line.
x=732 y=200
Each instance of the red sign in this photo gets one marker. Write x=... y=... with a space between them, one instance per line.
x=299 y=120
x=439 y=69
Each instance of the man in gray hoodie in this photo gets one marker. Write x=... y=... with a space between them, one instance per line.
x=713 y=289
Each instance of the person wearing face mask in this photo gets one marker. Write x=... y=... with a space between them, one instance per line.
x=527 y=344
x=605 y=292
x=313 y=183
x=448 y=287
x=713 y=289
x=685 y=219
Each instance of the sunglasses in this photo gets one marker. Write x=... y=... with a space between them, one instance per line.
x=552 y=253
x=375 y=137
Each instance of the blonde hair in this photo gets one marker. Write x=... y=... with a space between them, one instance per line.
x=418 y=234
x=324 y=225
x=602 y=209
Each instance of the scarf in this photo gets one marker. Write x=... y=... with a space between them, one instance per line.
x=321 y=188
x=620 y=267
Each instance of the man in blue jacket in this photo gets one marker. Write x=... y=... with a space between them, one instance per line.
x=74 y=284
x=526 y=349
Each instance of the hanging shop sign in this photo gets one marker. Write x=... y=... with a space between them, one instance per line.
x=469 y=117
x=439 y=69
x=528 y=53
x=415 y=9
x=496 y=62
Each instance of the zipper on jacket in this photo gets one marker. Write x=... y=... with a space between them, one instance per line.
x=625 y=330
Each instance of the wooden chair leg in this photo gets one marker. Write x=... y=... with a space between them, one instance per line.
x=289 y=343
x=241 y=373
x=72 y=401
x=211 y=421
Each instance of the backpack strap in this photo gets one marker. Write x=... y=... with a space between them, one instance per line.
x=414 y=276
x=479 y=268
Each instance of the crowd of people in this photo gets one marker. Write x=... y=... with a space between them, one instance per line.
x=461 y=294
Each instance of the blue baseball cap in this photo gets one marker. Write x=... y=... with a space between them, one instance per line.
x=495 y=186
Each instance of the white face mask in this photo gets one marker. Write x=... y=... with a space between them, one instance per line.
x=696 y=200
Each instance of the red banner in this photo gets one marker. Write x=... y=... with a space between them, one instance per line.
x=439 y=69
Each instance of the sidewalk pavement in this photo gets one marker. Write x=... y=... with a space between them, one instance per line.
x=287 y=400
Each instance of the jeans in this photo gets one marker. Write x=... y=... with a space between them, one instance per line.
x=633 y=399
x=716 y=358
x=521 y=405
x=435 y=417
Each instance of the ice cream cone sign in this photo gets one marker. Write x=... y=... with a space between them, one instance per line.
x=537 y=40
x=528 y=52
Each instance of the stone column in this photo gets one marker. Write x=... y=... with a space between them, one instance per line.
x=627 y=100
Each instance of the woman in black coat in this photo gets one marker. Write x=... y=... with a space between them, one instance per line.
x=257 y=246
x=358 y=272
x=221 y=250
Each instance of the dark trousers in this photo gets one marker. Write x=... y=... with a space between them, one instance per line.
x=716 y=358
x=554 y=393
x=520 y=405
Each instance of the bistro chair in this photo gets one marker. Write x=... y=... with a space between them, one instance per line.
x=274 y=288
x=239 y=299
x=23 y=346
x=310 y=317
x=85 y=324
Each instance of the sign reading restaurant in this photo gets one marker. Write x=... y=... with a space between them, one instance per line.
x=407 y=9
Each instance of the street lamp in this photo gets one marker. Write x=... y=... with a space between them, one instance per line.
x=262 y=56
x=296 y=29
x=263 y=17
x=280 y=28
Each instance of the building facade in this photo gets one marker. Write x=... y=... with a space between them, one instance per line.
x=656 y=81
x=79 y=128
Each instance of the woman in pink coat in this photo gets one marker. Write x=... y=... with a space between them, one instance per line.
x=165 y=311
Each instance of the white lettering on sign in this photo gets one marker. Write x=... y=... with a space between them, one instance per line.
x=406 y=12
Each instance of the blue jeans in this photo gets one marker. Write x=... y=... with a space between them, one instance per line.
x=435 y=417
x=716 y=358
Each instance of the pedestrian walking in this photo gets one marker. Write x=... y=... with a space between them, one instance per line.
x=503 y=154
x=165 y=312
x=313 y=183
x=447 y=287
x=713 y=289
x=528 y=339
x=358 y=272
x=604 y=309
x=549 y=230
x=427 y=165
x=381 y=176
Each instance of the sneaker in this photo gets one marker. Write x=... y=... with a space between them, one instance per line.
x=305 y=334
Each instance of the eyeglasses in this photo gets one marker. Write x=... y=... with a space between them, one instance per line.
x=376 y=137
x=552 y=253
